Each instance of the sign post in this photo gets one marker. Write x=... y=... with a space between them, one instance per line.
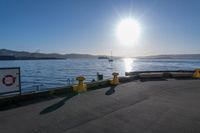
x=10 y=81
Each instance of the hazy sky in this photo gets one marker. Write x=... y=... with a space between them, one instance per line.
x=89 y=26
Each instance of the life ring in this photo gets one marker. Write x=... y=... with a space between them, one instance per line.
x=8 y=80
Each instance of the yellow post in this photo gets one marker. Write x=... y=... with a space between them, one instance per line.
x=196 y=73
x=80 y=87
x=115 y=80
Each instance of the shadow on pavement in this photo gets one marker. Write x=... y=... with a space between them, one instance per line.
x=16 y=104
x=110 y=91
x=57 y=105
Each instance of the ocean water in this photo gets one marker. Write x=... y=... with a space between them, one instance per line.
x=43 y=74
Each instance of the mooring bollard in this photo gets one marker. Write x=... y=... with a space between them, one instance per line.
x=196 y=73
x=80 y=87
x=115 y=80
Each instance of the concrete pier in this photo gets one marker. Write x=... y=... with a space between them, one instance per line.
x=140 y=106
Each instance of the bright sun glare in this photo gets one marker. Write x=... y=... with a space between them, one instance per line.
x=128 y=31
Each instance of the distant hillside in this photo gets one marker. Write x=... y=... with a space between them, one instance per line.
x=6 y=54
x=177 y=56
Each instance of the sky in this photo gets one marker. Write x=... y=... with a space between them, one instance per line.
x=89 y=26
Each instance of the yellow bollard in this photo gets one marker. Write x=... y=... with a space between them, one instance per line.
x=80 y=87
x=115 y=80
x=196 y=73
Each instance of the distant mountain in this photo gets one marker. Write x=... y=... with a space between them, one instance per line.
x=177 y=56
x=6 y=54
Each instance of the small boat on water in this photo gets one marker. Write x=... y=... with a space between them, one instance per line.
x=110 y=59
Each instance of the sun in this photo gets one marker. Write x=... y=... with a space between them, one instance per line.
x=128 y=31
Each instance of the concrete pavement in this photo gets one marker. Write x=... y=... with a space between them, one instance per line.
x=156 y=106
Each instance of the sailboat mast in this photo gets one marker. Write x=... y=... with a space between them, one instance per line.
x=110 y=60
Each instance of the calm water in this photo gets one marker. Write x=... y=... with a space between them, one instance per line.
x=43 y=74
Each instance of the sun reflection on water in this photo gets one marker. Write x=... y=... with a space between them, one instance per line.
x=128 y=64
